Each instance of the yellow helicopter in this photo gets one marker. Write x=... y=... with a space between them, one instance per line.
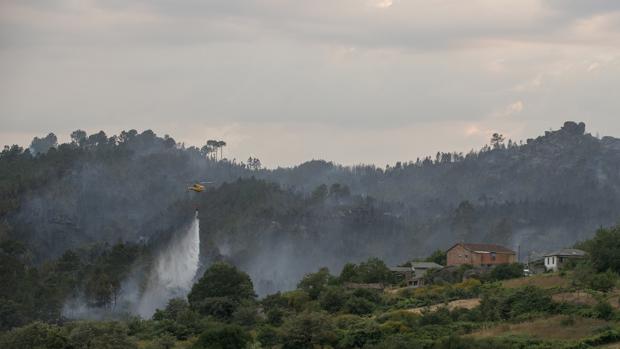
x=198 y=187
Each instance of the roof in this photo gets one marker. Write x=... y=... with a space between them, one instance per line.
x=401 y=269
x=567 y=252
x=426 y=265
x=484 y=248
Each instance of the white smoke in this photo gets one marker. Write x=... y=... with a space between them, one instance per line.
x=173 y=271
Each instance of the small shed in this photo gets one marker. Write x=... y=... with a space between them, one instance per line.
x=555 y=260
x=414 y=274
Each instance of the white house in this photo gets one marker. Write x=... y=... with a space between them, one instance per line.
x=555 y=260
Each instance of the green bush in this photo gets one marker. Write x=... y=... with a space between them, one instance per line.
x=220 y=290
x=358 y=306
x=603 y=282
x=35 y=335
x=315 y=283
x=221 y=336
x=604 y=310
x=267 y=336
x=307 y=330
x=504 y=304
x=504 y=272
x=333 y=299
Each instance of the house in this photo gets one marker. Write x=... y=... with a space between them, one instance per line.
x=479 y=255
x=414 y=274
x=555 y=260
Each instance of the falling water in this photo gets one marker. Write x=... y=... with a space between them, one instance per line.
x=173 y=271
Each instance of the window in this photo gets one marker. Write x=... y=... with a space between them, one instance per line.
x=493 y=256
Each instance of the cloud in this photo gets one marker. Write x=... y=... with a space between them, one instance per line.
x=593 y=66
x=514 y=108
x=383 y=3
x=220 y=68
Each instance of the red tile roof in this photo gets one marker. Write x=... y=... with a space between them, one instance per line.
x=485 y=248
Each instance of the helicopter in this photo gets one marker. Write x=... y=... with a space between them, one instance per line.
x=198 y=187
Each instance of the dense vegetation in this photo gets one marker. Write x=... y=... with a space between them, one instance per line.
x=130 y=186
x=222 y=310
x=77 y=220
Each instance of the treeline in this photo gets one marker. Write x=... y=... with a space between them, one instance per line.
x=104 y=188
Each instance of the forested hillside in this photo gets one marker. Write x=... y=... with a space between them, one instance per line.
x=540 y=194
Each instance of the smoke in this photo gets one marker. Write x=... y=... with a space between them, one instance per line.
x=171 y=275
x=174 y=271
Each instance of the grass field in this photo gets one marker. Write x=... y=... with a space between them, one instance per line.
x=577 y=297
x=545 y=281
x=547 y=328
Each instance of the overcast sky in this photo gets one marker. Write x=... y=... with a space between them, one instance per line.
x=353 y=81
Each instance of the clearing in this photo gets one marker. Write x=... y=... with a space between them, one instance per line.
x=546 y=281
x=460 y=303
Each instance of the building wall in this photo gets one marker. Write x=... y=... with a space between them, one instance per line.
x=497 y=258
x=460 y=255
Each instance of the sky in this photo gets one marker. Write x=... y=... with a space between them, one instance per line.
x=351 y=81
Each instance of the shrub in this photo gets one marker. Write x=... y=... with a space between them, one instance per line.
x=333 y=299
x=603 y=282
x=359 y=306
x=220 y=290
x=297 y=300
x=35 y=335
x=359 y=335
x=604 y=310
x=505 y=272
x=220 y=336
x=267 y=336
x=99 y=335
x=307 y=330
x=604 y=249
x=507 y=304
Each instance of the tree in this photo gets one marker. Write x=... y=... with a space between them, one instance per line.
x=78 y=137
x=220 y=290
x=221 y=145
x=332 y=299
x=307 y=331
x=213 y=145
x=349 y=273
x=100 y=138
x=374 y=270
x=206 y=150
x=497 y=141
x=604 y=249
x=439 y=257
x=42 y=145
x=358 y=306
x=220 y=336
x=254 y=164
x=35 y=335
x=505 y=272
x=315 y=283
